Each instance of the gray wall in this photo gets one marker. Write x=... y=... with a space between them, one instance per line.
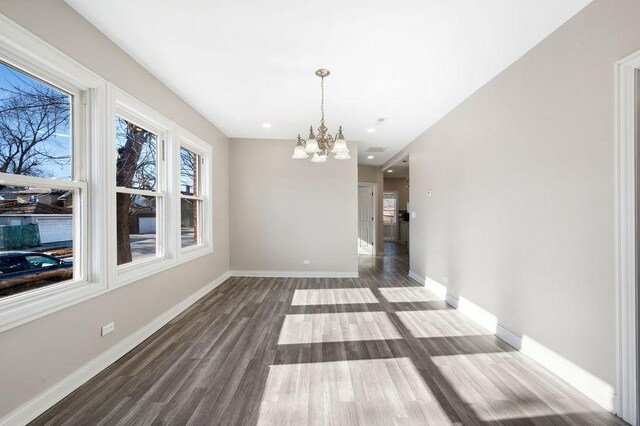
x=286 y=210
x=373 y=174
x=41 y=353
x=521 y=218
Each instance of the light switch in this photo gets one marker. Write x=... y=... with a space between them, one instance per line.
x=413 y=215
x=429 y=193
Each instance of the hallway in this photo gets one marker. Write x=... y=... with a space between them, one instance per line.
x=376 y=350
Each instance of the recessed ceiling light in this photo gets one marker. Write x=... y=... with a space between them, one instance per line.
x=370 y=157
x=266 y=125
x=371 y=130
x=389 y=171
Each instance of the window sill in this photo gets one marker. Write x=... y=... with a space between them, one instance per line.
x=25 y=307
x=135 y=271
x=188 y=254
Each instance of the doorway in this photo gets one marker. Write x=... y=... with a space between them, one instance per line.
x=396 y=199
x=367 y=218
x=390 y=216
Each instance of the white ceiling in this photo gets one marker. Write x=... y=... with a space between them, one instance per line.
x=398 y=171
x=242 y=63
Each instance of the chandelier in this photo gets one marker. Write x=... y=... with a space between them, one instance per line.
x=323 y=144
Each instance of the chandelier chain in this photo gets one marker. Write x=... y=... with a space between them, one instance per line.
x=322 y=99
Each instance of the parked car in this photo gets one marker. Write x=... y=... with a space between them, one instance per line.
x=21 y=271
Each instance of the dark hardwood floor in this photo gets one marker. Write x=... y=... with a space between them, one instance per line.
x=379 y=349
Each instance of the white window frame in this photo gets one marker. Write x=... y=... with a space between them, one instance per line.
x=204 y=150
x=95 y=105
x=27 y=53
x=129 y=108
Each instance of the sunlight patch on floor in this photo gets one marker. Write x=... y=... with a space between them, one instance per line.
x=337 y=327
x=483 y=387
x=408 y=294
x=334 y=296
x=438 y=323
x=359 y=392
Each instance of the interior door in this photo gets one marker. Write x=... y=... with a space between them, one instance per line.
x=365 y=220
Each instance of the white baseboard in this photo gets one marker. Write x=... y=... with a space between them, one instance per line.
x=431 y=285
x=41 y=403
x=294 y=274
x=593 y=387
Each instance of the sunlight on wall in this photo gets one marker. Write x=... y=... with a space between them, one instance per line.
x=483 y=317
x=366 y=392
x=338 y=296
x=337 y=327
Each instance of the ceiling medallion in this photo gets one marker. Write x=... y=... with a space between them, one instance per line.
x=323 y=144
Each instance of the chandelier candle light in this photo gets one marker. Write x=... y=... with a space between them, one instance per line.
x=324 y=143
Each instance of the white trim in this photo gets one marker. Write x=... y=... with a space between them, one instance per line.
x=27 y=53
x=23 y=180
x=194 y=144
x=593 y=387
x=626 y=268
x=22 y=49
x=431 y=285
x=143 y=192
x=140 y=269
x=131 y=109
x=294 y=274
x=38 y=405
x=25 y=307
x=374 y=189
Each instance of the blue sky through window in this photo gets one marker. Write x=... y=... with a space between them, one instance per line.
x=35 y=127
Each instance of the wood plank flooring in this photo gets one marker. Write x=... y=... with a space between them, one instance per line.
x=377 y=350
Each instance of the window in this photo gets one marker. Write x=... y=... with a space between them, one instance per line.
x=389 y=208
x=142 y=210
x=195 y=209
x=65 y=131
x=190 y=198
x=137 y=192
x=41 y=191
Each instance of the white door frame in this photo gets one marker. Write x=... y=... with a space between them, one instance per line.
x=626 y=268
x=374 y=190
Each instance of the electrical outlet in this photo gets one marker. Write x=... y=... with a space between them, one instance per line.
x=106 y=329
x=306 y=261
x=429 y=193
